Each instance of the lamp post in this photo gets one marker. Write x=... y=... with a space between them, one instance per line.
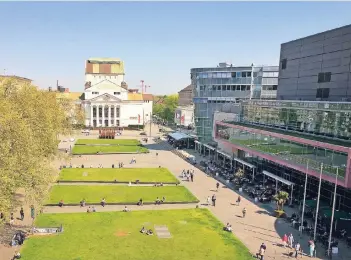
x=332 y=216
x=317 y=209
x=304 y=199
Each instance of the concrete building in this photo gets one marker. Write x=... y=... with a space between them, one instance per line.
x=184 y=113
x=107 y=100
x=186 y=96
x=225 y=84
x=317 y=67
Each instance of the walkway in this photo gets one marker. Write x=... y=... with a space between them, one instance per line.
x=76 y=209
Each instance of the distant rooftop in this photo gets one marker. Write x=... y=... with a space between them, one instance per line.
x=105 y=60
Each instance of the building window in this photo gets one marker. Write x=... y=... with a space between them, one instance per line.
x=322 y=93
x=228 y=87
x=233 y=74
x=243 y=74
x=255 y=74
x=248 y=88
x=238 y=74
x=233 y=88
x=284 y=63
x=95 y=93
x=324 y=77
x=116 y=93
x=248 y=74
x=219 y=87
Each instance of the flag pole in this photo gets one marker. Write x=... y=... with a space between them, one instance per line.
x=317 y=209
x=332 y=216
x=304 y=199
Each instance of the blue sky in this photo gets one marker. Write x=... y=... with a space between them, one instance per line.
x=159 y=42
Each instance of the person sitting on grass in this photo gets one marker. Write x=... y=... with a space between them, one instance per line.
x=149 y=232
x=163 y=199
x=17 y=255
x=61 y=203
x=158 y=201
x=228 y=228
x=126 y=209
x=143 y=230
x=82 y=203
x=103 y=202
x=140 y=203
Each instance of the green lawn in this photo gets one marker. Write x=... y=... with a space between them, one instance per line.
x=196 y=235
x=108 y=141
x=118 y=194
x=119 y=174
x=271 y=147
x=93 y=149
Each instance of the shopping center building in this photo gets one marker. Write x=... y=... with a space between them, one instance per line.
x=289 y=139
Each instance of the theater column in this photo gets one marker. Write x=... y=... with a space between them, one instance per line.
x=91 y=115
x=109 y=115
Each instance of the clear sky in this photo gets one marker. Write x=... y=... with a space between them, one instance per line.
x=159 y=42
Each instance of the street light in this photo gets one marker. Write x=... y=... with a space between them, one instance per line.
x=332 y=216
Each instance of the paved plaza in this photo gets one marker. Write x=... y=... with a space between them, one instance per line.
x=257 y=227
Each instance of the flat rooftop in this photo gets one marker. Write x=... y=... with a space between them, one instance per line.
x=322 y=139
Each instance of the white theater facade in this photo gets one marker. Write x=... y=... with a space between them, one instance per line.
x=107 y=100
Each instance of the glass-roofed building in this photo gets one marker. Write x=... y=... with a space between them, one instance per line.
x=292 y=138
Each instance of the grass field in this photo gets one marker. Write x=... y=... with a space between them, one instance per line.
x=272 y=148
x=119 y=174
x=108 y=141
x=196 y=235
x=118 y=194
x=93 y=149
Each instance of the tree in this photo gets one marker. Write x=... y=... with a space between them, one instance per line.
x=166 y=109
x=30 y=123
x=281 y=199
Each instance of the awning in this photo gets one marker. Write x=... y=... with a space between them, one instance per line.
x=278 y=178
x=313 y=204
x=245 y=163
x=178 y=136
x=224 y=154
x=337 y=214
x=209 y=147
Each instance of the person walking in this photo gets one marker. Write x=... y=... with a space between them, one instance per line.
x=238 y=201
x=244 y=212
x=311 y=246
x=285 y=240
x=208 y=201
x=32 y=212
x=214 y=200
x=217 y=186
x=291 y=240
x=22 y=213
x=192 y=176
x=297 y=249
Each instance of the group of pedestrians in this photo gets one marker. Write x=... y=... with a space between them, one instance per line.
x=188 y=175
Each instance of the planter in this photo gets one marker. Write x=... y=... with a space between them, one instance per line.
x=280 y=214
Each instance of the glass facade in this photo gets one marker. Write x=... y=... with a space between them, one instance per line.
x=287 y=150
x=327 y=119
x=222 y=85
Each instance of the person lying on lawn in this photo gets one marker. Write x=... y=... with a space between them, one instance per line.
x=143 y=230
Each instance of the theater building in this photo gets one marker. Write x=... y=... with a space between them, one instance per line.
x=107 y=99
